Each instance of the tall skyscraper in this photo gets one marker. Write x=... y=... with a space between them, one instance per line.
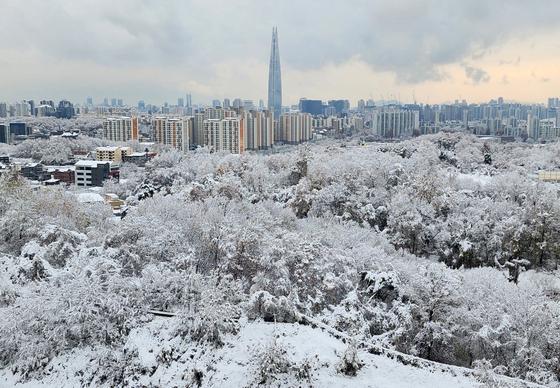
x=274 y=78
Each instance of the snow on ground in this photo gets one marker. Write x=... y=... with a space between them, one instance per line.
x=235 y=364
x=304 y=342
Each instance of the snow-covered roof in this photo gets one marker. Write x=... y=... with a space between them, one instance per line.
x=137 y=154
x=89 y=163
x=89 y=197
x=60 y=168
x=107 y=149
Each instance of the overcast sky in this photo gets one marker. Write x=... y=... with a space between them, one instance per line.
x=159 y=50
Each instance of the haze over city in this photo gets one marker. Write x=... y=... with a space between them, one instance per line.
x=431 y=51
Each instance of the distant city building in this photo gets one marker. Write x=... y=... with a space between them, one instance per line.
x=120 y=128
x=237 y=103
x=248 y=105
x=174 y=132
x=340 y=106
x=216 y=103
x=45 y=110
x=65 y=110
x=314 y=107
x=19 y=129
x=225 y=134
x=274 y=78
x=294 y=128
x=4 y=133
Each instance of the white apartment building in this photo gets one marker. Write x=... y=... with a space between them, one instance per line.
x=174 y=132
x=259 y=130
x=394 y=123
x=120 y=128
x=294 y=128
x=225 y=135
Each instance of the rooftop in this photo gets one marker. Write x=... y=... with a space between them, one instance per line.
x=89 y=163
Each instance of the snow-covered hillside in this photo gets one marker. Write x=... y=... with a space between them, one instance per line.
x=311 y=357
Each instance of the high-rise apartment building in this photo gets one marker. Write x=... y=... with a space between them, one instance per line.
x=294 y=128
x=274 y=77
x=226 y=134
x=392 y=123
x=174 y=132
x=198 y=138
x=120 y=128
x=259 y=130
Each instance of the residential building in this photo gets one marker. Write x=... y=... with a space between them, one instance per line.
x=64 y=174
x=138 y=158
x=294 y=128
x=174 y=132
x=259 y=130
x=392 y=122
x=120 y=128
x=112 y=154
x=226 y=134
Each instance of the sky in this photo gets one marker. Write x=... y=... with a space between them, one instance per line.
x=431 y=51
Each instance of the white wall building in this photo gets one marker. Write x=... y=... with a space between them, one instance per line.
x=393 y=122
x=227 y=134
x=120 y=128
x=174 y=132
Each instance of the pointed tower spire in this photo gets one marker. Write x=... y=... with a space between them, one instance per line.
x=274 y=77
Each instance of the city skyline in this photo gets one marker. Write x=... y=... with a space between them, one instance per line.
x=431 y=51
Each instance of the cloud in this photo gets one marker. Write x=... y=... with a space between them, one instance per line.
x=475 y=74
x=413 y=40
x=514 y=62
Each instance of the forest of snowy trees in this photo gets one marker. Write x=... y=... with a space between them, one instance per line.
x=445 y=247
